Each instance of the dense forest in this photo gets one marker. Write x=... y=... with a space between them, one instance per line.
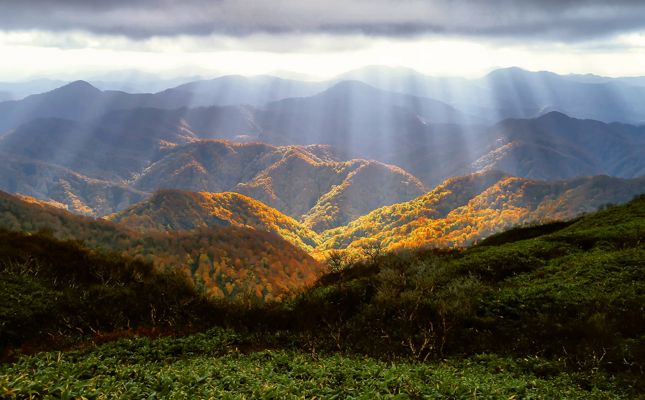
x=223 y=262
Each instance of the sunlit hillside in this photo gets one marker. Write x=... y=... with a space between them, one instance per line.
x=466 y=209
x=224 y=262
x=175 y=210
x=525 y=314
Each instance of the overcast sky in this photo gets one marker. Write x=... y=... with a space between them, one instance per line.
x=75 y=38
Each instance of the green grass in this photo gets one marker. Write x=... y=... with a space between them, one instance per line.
x=211 y=365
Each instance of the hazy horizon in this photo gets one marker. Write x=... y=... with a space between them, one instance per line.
x=132 y=75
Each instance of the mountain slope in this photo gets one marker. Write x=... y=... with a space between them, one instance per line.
x=181 y=210
x=296 y=180
x=223 y=261
x=465 y=209
x=556 y=146
x=71 y=190
x=353 y=116
x=251 y=90
x=114 y=147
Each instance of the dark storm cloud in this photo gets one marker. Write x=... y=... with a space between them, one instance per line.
x=552 y=19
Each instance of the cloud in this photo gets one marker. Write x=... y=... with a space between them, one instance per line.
x=564 y=20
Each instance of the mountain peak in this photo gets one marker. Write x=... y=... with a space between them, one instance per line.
x=516 y=72
x=77 y=87
x=506 y=71
x=351 y=85
x=554 y=116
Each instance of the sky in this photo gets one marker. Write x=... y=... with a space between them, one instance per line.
x=69 y=39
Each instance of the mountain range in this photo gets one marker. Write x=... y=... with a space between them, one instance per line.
x=130 y=153
x=502 y=93
x=459 y=212
x=376 y=157
x=226 y=240
x=517 y=93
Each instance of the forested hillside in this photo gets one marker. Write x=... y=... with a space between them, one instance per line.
x=175 y=210
x=466 y=209
x=224 y=262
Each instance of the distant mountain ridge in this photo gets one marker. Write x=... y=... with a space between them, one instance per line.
x=81 y=101
x=517 y=93
x=503 y=93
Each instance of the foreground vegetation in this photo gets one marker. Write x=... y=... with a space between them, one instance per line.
x=211 y=365
x=57 y=292
x=552 y=311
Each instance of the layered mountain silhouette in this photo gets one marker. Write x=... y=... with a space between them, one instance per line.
x=79 y=100
x=517 y=93
x=503 y=93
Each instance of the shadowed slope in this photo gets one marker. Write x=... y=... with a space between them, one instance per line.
x=71 y=190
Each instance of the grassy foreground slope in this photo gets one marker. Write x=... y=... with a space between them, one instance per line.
x=212 y=366
x=574 y=291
